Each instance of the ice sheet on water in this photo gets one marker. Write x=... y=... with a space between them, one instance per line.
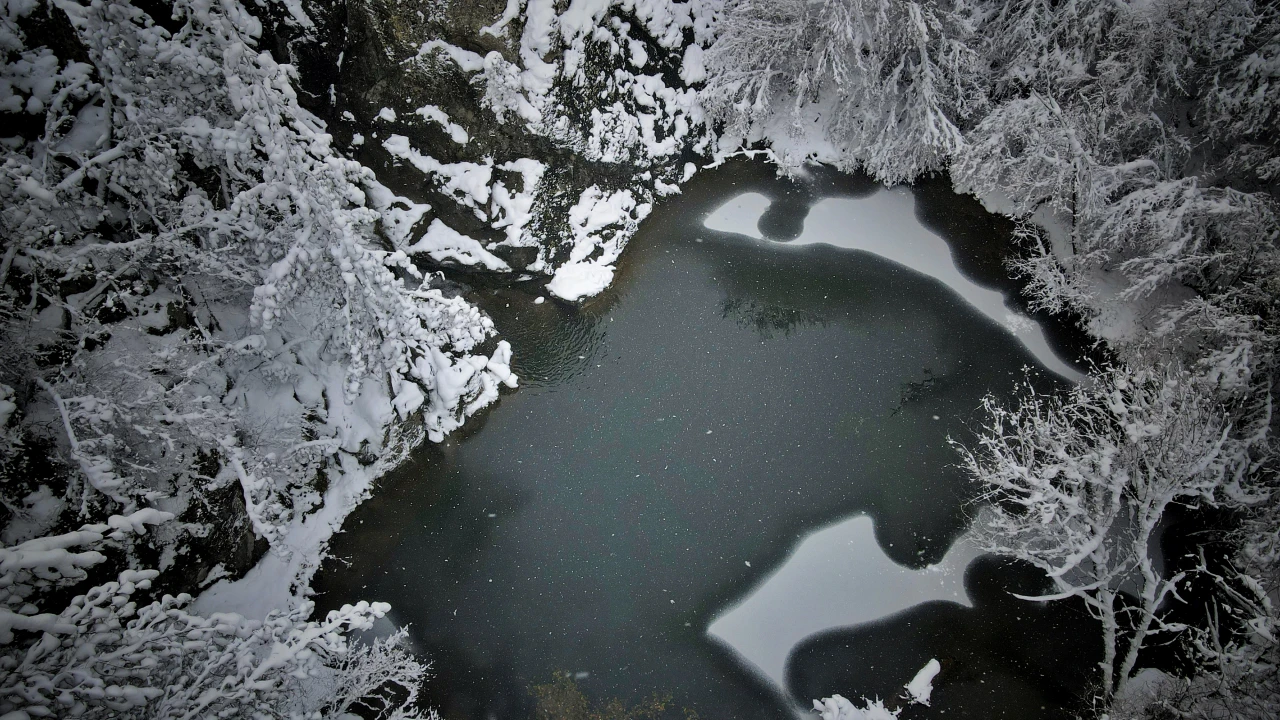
x=885 y=224
x=842 y=561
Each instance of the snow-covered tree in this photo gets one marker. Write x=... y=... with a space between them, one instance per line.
x=181 y=231
x=1033 y=152
x=1077 y=486
x=1240 y=104
x=194 y=298
x=888 y=80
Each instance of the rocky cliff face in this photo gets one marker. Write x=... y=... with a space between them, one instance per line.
x=522 y=141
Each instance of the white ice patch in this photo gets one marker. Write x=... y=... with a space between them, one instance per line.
x=885 y=224
x=845 y=562
x=386 y=114
x=741 y=215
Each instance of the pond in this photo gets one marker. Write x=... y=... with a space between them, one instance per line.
x=728 y=478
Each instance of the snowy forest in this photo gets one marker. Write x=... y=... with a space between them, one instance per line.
x=220 y=326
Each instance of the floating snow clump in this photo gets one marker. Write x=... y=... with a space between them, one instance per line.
x=576 y=281
x=837 y=707
x=921 y=686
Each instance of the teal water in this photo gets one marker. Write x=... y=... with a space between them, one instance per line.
x=671 y=443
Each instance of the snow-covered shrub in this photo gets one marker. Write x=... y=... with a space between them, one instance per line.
x=1137 y=52
x=1077 y=486
x=1085 y=123
x=1241 y=104
x=1127 y=214
x=1051 y=282
x=1158 y=231
x=611 y=81
x=112 y=654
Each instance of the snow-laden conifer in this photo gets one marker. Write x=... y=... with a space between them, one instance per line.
x=888 y=81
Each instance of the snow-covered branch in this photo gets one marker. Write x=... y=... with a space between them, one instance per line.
x=1077 y=486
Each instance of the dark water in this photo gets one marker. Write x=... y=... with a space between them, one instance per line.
x=722 y=399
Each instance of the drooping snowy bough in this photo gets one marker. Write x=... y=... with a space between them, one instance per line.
x=110 y=653
x=875 y=85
